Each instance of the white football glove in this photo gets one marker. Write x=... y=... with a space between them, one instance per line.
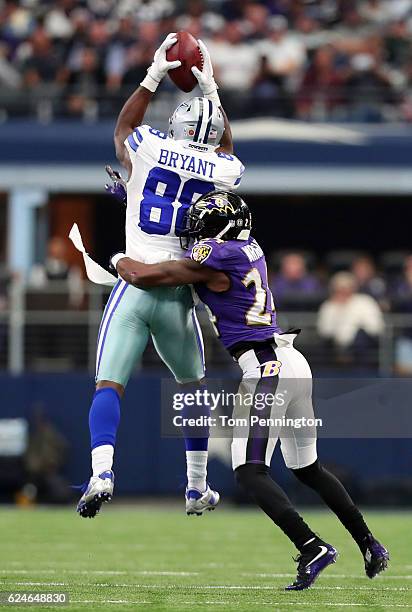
x=205 y=77
x=160 y=66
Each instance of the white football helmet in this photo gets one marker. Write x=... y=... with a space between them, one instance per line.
x=198 y=120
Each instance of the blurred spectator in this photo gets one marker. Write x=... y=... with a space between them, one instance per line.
x=16 y=22
x=5 y=278
x=375 y=11
x=398 y=44
x=84 y=83
x=321 y=91
x=293 y=283
x=44 y=460
x=122 y=41
x=283 y=56
x=135 y=67
x=349 y=321
x=368 y=89
x=367 y=279
x=401 y=297
x=234 y=60
x=9 y=76
x=235 y=63
x=260 y=49
x=57 y=269
x=42 y=64
x=57 y=20
x=255 y=18
x=197 y=14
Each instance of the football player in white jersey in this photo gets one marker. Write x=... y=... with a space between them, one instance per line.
x=166 y=174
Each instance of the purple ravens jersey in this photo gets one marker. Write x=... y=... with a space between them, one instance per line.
x=245 y=312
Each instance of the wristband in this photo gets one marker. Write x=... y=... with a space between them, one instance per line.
x=150 y=83
x=116 y=258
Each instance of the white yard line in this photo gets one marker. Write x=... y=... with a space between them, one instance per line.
x=224 y=587
x=100 y=572
x=196 y=602
x=183 y=573
x=110 y=601
x=338 y=576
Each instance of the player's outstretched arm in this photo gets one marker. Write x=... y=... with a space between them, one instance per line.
x=130 y=117
x=209 y=89
x=169 y=273
x=134 y=110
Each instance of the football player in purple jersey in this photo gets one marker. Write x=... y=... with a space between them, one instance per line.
x=228 y=270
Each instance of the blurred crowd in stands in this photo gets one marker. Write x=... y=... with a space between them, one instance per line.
x=343 y=60
x=348 y=295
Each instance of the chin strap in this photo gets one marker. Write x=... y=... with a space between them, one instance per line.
x=224 y=230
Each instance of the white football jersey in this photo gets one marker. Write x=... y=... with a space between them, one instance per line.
x=167 y=177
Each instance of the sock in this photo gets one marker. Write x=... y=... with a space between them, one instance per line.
x=334 y=494
x=104 y=417
x=255 y=480
x=196 y=440
x=102 y=459
x=196 y=461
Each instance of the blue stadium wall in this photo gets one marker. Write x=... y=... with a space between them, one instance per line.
x=280 y=157
x=341 y=146
x=146 y=463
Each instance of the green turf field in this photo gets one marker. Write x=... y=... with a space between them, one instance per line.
x=132 y=558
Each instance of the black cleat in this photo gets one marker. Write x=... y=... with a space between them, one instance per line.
x=376 y=557
x=311 y=563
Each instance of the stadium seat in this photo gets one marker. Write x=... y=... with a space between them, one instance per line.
x=296 y=301
x=276 y=257
x=341 y=260
x=392 y=262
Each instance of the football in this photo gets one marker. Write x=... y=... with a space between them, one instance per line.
x=187 y=51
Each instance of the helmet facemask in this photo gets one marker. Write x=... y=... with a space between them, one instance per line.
x=218 y=215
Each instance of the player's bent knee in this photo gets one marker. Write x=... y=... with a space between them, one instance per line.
x=246 y=474
x=108 y=384
x=309 y=474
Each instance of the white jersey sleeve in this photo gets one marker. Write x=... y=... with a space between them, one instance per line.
x=145 y=142
x=229 y=171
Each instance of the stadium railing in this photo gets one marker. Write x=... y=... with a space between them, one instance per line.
x=41 y=330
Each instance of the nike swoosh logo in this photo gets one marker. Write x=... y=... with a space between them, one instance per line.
x=323 y=551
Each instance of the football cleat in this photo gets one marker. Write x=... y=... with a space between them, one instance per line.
x=197 y=502
x=311 y=563
x=98 y=490
x=376 y=557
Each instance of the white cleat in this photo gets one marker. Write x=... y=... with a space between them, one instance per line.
x=197 y=502
x=98 y=491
